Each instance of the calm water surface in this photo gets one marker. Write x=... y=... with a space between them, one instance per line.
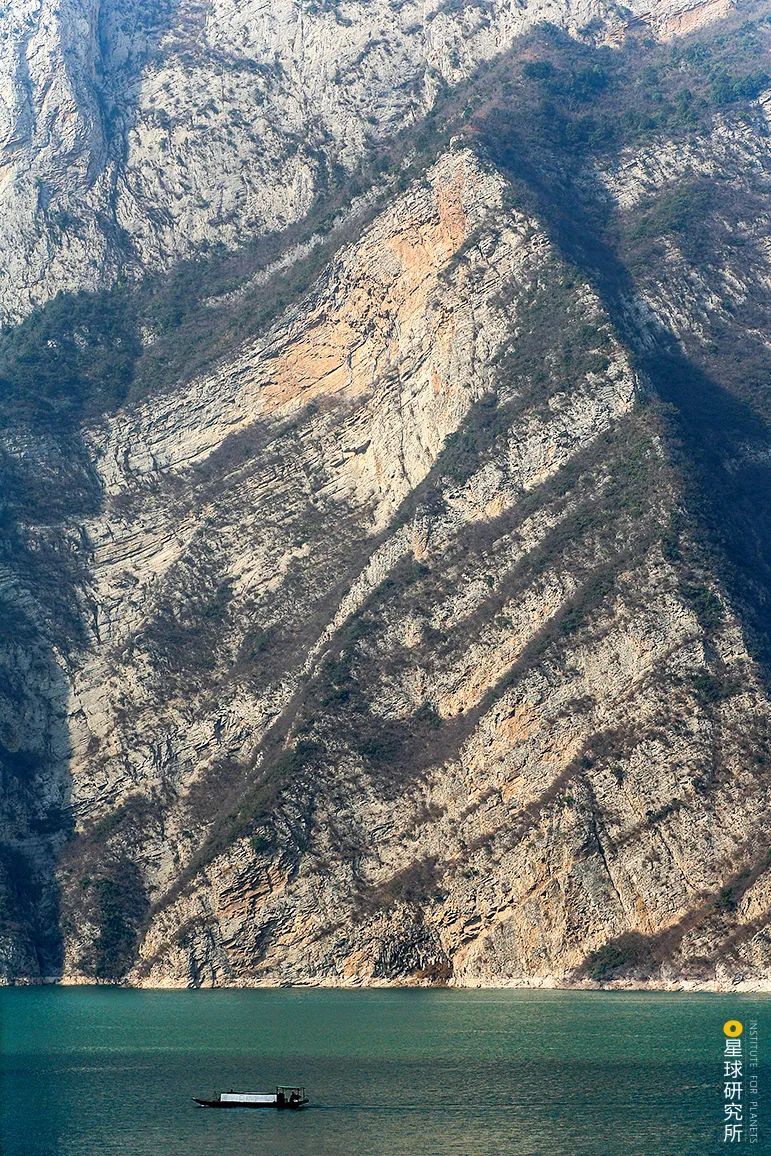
x=92 y=1071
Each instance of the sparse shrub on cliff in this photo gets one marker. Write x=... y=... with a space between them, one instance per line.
x=415 y=885
x=463 y=449
x=70 y=360
x=120 y=906
x=427 y=714
x=628 y=954
x=262 y=843
x=706 y=605
x=256 y=641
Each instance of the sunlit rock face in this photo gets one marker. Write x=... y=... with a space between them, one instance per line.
x=135 y=133
x=390 y=645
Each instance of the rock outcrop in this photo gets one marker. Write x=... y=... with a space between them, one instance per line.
x=406 y=642
x=135 y=134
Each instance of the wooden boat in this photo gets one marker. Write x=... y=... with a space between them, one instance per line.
x=285 y=1096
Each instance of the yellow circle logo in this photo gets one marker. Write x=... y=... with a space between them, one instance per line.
x=733 y=1028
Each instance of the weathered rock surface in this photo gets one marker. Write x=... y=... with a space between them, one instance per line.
x=390 y=649
x=133 y=134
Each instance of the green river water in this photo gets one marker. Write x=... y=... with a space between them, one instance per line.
x=93 y=1071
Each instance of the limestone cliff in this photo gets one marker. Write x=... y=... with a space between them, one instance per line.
x=135 y=133
x=420 y=633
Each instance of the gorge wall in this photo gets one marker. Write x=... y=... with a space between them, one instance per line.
x=397 y=611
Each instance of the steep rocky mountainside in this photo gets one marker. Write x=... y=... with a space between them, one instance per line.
x=133 y=133
x=386 y=599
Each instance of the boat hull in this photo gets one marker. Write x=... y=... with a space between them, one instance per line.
x=247 y=1104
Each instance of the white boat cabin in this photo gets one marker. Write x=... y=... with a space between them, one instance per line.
x=247 y=1098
